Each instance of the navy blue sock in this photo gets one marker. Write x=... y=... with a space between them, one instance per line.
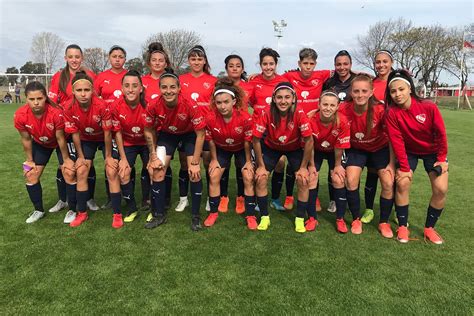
x=196 y=194
x=353 y=199
x=289 y=181
x=262 y=202
x=341 y=202
x=402 y=214
x=432 y=216
x=158 y=197
x=116 y=199
x=277 y=183
x=385 y=209
x=35 y=192
x=82 y=198
x=129 y=196
x=133 y=176
x=214 y=203
x=330 y=187
x=301 y=208
x=183 y=182
x=313 y=195
x=240 y=181
x=250 y=205
x=146 y=184
x=224 y=184
x=91 y=181
x=61 y=185
x=169 y=184
x=71 y=196
x=370 y=189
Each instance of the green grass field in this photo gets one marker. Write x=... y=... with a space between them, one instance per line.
x=50 y=268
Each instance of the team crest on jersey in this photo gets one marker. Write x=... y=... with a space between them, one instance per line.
x=229 y=141
x=206 y=85
x=117 y=93
x=50 y=126
x=43 y=139
x=315 y=82
x=182 y=116
x=173 y=128
x=325 y=144
x=136 y=129
x=96 y=118
x=359 y=136
x=282 y=139
x=421 y=118
x=239 y=129
x=194 y=96
x=304 y=94
x=148 y=119
x=260 y=128
x=89 y=130
x=197 y=121
x=291 y=125
x=335 y=132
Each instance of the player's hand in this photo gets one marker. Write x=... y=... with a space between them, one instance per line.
x=111 y=163
x=249 y=167
x=340 y=173
x=123 y=167
x=313 y=173
x=261 y=172
x=194 y=172
x=303 y=174
x=213 y=165
x=402 y=174
x=443 y=164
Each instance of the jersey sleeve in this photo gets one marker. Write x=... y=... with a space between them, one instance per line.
x=106 y=118
x=69 y=123
x=53 y=93
x=441 y=138
x=197 y=118
x=260 y=125
x=303 y=124
x=343 y=139
x=150 y=115
x=116 y=127
x=19 y=121
x=248 y=129
x=98 y=85
x=396 y=139
x=59 y=120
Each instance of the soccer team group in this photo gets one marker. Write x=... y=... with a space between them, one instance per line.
x=271 y=124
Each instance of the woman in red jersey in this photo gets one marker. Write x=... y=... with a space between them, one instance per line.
x=416 y=131
x=196 y=85
x=173 y=119
x=108 y=84
x=229 y=132
x=88 y=120
x=41 y=127
x=369 y=148
x=128 y=113
x=285 y=128
x=331 y=135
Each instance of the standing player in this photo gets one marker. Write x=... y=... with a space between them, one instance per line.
x=176 y=120
x=286 y=128
x=416 y=131
x=41 y=127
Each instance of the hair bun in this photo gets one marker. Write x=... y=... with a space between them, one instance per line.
x=155 y=46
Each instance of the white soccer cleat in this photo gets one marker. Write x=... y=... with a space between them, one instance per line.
x=183 y=203
x=92 y=205
x=58 y=206
x=70 y=216
x=332 y=207
x=35 y=216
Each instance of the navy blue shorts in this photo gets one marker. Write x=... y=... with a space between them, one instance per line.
x=90 y=148
x=271 y=157
x=428 y=161
x=133 y=151
x=320 y=156
x=171 y=142
x=71 y=149
x=224 y=157
x=41 y=154
x=378 y=159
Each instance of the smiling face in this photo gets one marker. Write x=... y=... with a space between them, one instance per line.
x=196 y=63
x=284 y=100
x=328 y=106
x=117 y=59
x=343 y=67
x=36 y=101
x=73 y=58
x=307 y=66
x=82 y=91
x=234 y=69
x=400 y=93
x=268 y=66
x=361 y=91
x=224 y=104
x=169 y=88
x=131 y=89
x=383 y=64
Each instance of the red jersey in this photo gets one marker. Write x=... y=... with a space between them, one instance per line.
x=58 y=96
x=418 y=130
x=152 y=88
x=326 y=138
x=308 y=90
x=129 y=121
x=199 y=89
x=377 y=138
x=232 y=135
x=108 y=85
x=287 y=136
x=183 y=118
x=263 y=91
x=380 y=87
x=248 y=92
x=43 y=129
x=89 y=123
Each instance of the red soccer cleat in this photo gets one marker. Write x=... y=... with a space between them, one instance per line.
x=81 y=217
x=223 y=204
x=211 y=219
x=356 y=227
x=117 y=221
x=386 y=230
x=251 y=222
x=403 y=234
x=341 y=226
x=311 y=224
x=239 y=205
x=433 y=236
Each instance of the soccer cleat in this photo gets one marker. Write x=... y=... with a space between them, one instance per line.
x=431 y=235
x=35 y=216
x=81 y=217
x=276 y=204
x=299 y=225
x=356 y=227
x=107 y=204
x=149 y=217
x=341 y=226
x=130 y=217
x=403 y=234
x=92 y=205
x=385 y=230
x=224 y=204
x=208 y=206
x=332 y=207
x=240 y=205
x=264 y=223
x=117 y=221
x=211 y=219
x=251 y=222
x=289 y=201
x=70 y=216
x=156 y=221
x=58 y=207
x=311 y=224
x=318 y=205
x=182 y=204
x=196 y=223
x=368 y=216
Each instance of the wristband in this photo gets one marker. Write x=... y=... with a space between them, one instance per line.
x=193 y=163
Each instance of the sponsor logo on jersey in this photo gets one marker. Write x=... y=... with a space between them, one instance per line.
x=197 y=121
x=136 y=129
x=344 y=140
x=229 y=141
x=117 y=93
x=325 y=144
x=359 y=136
x=182 y=116
x=421 y=118
x=186 y=84
x=268 y=100
x=304 y=127
x=296 y=82
x=217 y=130
x=239 y=129
x=43 y=139
x=342 y=96
x=304 y=94
x=89 y=130
x=50 y=126
x=75 y=117
x=194 y=96
x=123 y=116
x=282 y=139
x=259 y=86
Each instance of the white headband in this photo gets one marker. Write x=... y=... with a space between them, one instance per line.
x=197 y=49
x=224 y=91
x=283 y=87
x=328 y=93
x=382 y=51
x=402 y=79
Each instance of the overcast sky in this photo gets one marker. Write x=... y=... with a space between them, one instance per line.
x=241 y=27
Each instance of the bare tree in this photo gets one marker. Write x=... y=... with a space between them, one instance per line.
x=47 y=48
x=96 y=59
x=177 y=44
x=459 y=56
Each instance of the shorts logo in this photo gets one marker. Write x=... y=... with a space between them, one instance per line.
x=359 y=136
x=229 y=141
x=239 y=129
x=136 y=129
x=154 y=96
x=334 y=132
x=96 y=118
x=117 y=93
x=248 y=133
x=89 y=130
x=421 y=118
x=50 y=126
x=194 y=96
x=304 y=94
x=282 y=139
x=315 y=82
x=173 y=128
x=43 y=139
x=182 y=116
x=206 y=85
x=268 y=100
x=291 y=125
x=325 y=144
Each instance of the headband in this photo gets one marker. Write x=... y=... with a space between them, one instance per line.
x=198 y=50
x=329 y=93
x=284 y=87
x=224 y=91
x=402 y=79
x=385 y=52
x=169 y=74
x=82 y=80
